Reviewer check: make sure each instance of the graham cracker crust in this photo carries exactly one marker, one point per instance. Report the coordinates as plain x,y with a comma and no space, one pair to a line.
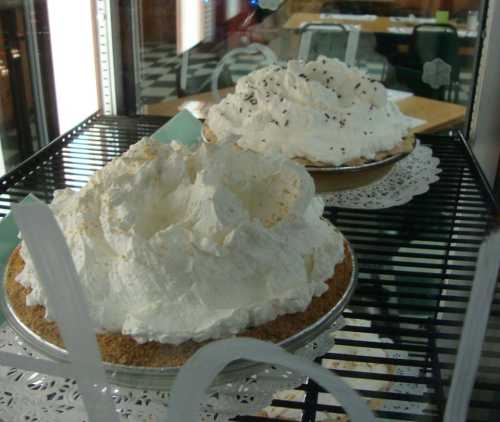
121,349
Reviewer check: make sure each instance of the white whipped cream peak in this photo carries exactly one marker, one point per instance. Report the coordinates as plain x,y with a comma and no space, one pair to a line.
172,244
322,110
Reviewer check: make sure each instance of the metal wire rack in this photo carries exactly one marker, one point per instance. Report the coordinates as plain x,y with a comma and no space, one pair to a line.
416,262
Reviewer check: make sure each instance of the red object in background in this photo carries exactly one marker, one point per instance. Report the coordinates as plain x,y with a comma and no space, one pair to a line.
238,26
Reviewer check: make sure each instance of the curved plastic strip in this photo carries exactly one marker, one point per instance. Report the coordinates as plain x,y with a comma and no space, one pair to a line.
268,54
201,369
476,321
56,271
56,369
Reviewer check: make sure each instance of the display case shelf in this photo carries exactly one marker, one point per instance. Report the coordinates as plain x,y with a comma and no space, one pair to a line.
416,267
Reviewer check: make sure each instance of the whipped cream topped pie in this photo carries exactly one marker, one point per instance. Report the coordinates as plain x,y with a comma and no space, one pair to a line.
318,113
176,247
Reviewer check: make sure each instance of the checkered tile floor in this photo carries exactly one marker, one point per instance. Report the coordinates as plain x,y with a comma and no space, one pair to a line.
161,66
158,73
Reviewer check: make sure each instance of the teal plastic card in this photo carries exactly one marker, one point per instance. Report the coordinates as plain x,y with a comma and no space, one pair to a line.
183,128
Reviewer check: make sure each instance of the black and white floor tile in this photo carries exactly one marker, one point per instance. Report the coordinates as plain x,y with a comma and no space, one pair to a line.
160,67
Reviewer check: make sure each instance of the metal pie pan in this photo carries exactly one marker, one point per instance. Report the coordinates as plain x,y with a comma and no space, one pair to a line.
204,138
369,165
163,377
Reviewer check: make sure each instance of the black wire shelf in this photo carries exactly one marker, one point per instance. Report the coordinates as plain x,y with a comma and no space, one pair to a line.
416,267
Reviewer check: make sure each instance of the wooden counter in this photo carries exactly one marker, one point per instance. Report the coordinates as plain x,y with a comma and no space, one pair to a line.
439,115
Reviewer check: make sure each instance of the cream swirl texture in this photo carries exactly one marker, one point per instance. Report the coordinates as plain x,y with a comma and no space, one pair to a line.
172,245
322,111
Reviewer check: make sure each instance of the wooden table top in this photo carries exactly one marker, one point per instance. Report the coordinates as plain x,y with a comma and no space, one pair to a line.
381,24
437,114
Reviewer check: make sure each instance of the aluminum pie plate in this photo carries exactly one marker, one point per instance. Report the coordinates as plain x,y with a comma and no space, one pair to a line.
163,377
369,165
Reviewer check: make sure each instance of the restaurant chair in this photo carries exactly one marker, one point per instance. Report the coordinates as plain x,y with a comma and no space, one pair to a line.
327,39
428,42
431,41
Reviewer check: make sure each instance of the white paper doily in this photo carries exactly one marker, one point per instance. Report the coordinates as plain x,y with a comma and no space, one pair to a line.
34,397
408,178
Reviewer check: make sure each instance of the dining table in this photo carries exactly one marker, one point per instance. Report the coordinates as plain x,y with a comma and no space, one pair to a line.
397,27
367,23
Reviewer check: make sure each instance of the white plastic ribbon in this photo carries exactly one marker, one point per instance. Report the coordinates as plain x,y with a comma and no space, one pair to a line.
48,367
474,330
201,369
352,44
56,271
